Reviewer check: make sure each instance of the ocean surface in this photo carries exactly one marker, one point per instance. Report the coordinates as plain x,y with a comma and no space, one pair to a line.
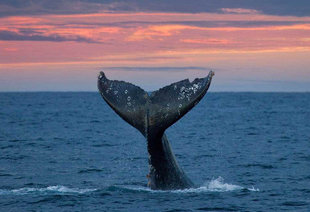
71,152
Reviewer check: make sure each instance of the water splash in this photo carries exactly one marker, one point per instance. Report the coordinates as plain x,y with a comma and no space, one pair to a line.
218,184
214,185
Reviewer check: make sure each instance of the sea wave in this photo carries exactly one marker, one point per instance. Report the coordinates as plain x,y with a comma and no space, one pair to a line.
214,185
58,189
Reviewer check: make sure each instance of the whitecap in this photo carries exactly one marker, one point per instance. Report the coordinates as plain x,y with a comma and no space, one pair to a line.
65,189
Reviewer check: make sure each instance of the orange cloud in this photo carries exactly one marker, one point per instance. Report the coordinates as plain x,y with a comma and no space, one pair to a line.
206,41
157,31
10,49
15,20
96,34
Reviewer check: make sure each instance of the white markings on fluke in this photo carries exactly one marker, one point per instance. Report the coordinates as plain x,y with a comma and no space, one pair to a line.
187,92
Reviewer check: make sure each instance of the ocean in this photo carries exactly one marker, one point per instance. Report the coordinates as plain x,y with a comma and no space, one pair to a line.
68,151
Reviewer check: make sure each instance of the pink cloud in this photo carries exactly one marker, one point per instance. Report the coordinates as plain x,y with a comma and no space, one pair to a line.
146,35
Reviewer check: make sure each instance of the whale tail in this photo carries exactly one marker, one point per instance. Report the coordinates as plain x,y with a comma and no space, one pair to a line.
152,114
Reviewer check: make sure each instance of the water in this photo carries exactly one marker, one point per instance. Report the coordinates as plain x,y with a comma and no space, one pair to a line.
71,152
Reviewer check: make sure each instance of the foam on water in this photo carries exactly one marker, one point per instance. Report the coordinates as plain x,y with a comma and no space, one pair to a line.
58,189
214,185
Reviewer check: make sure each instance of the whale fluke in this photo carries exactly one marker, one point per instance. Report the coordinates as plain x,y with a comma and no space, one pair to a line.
170,103
126,99
152,115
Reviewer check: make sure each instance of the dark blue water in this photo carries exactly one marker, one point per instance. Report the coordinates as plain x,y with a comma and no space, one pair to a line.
71,152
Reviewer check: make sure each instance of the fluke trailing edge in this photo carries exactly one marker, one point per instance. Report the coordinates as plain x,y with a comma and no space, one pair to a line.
152,115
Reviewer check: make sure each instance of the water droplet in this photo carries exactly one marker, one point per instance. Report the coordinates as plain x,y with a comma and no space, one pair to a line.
180,105
115,92
129,104
126,91
128,98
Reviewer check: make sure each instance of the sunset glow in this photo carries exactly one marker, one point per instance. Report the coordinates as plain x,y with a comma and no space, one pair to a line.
247,49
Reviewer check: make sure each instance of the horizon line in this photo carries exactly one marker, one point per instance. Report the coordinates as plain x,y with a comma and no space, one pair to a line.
155,90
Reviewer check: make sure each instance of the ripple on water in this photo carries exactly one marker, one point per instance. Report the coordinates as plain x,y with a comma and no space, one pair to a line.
263,166
90,170
294,203
5,175
218,209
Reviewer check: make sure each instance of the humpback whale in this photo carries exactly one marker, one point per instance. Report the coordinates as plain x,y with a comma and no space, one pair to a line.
152,114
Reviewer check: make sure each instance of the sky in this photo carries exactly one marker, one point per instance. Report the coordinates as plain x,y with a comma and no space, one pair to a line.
62,45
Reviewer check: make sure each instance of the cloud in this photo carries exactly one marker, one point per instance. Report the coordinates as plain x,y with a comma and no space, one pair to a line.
155,38
214,41
13,36
156,32
239,11
10,49
39,7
